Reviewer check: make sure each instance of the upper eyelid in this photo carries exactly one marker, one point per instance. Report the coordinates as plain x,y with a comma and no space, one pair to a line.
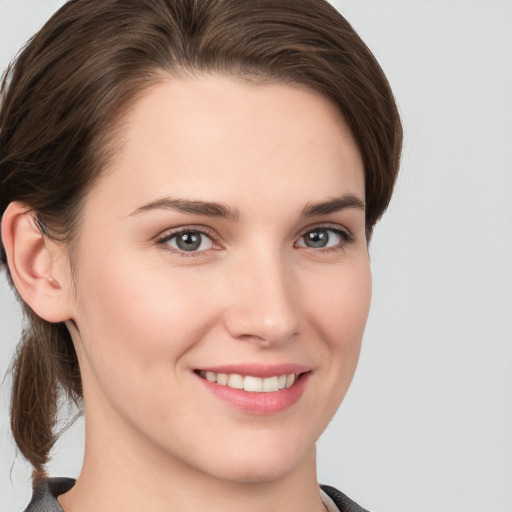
216,238
211,232
325,225
204,230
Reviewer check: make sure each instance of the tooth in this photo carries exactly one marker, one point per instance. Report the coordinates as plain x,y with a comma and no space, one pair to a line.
222,378
253,383
236,381
250,383
270,384
290,379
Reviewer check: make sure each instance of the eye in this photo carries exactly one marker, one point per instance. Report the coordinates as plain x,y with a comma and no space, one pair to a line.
322,238
188,241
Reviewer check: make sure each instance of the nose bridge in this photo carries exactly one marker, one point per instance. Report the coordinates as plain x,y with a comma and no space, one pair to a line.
263,306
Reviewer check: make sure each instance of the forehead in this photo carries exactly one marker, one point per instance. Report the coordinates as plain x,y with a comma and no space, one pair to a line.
218,138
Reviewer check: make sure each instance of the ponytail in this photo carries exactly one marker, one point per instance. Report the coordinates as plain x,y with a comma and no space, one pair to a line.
44,370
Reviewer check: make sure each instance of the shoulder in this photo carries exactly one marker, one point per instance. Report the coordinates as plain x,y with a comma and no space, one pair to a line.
46,491
343,502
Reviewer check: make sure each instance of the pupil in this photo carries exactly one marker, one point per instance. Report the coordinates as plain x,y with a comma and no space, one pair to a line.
189,241
317,238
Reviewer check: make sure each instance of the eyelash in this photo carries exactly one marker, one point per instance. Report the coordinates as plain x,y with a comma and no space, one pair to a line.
345,236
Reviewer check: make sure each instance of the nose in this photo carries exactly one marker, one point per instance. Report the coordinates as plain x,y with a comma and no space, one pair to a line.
262,306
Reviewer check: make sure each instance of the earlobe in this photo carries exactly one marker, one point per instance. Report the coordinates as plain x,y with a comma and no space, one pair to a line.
35,264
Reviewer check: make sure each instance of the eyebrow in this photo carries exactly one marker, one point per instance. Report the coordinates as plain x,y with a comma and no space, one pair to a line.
212,209
209,209
333,205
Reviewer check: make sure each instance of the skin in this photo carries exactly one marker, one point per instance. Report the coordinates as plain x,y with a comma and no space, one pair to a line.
144,315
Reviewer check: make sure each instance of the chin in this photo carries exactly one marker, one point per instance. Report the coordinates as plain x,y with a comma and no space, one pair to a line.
249,472
261,465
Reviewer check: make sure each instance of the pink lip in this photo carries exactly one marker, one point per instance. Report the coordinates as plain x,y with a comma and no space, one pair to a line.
259,403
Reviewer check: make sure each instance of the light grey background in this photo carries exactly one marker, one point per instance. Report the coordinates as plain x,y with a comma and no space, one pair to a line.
427,424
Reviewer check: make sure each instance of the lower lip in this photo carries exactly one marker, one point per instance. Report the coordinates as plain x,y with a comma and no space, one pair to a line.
259,403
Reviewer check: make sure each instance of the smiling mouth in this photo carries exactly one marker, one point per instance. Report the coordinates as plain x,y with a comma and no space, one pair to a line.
251,383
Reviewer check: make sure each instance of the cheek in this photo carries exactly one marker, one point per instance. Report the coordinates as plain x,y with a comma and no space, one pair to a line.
341,302
145,319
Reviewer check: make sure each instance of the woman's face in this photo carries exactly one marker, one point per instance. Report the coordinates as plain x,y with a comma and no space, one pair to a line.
227,241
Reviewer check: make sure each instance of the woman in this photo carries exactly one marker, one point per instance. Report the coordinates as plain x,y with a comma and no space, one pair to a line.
188,193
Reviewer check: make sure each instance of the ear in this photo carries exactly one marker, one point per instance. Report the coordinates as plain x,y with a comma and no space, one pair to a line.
37,264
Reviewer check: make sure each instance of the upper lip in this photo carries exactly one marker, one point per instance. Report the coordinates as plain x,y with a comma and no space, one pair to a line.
258,370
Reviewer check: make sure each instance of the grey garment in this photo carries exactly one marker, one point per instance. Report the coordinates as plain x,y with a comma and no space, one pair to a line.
343,502
46,491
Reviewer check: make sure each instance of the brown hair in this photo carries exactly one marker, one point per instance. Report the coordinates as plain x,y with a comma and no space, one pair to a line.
62,100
